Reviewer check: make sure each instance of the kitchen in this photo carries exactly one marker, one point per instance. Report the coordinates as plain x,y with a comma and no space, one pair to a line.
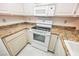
38,29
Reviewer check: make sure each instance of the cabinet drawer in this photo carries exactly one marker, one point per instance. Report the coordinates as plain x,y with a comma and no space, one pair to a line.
7,39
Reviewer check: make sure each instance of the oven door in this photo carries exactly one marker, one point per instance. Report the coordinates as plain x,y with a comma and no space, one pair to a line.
41,39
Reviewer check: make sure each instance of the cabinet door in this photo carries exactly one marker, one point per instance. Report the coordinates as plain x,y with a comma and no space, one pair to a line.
12,8
16,44
15,7
29,8
3,50
59,50
65,9
29,36
52,42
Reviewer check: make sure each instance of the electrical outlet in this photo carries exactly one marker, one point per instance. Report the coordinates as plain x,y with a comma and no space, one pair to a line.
4,20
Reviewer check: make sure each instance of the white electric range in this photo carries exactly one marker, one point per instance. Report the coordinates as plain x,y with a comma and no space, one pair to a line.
41,35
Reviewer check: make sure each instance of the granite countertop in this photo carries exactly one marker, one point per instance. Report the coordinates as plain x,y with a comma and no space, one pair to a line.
9,30
66,34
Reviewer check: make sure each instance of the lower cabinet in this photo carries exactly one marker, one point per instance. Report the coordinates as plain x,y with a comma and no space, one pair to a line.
52,42
16,42
3,51
29,35
59,50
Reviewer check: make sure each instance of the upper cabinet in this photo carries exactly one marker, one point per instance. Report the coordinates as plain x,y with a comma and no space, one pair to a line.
65,9
28,9
40,9
11,8
77,13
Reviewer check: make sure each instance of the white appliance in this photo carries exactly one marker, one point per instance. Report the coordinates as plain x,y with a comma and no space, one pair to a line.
41,35
44,10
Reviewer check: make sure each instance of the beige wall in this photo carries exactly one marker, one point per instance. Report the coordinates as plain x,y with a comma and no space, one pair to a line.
10,18
71,21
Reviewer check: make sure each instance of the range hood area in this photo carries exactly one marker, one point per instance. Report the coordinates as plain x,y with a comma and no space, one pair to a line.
38,29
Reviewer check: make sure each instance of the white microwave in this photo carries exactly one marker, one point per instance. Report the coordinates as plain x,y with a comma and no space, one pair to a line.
44,10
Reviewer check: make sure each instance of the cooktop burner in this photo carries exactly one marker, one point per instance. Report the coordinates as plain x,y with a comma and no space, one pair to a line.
41,28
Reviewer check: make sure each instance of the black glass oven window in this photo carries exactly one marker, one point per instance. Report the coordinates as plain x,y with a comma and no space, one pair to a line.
39,37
